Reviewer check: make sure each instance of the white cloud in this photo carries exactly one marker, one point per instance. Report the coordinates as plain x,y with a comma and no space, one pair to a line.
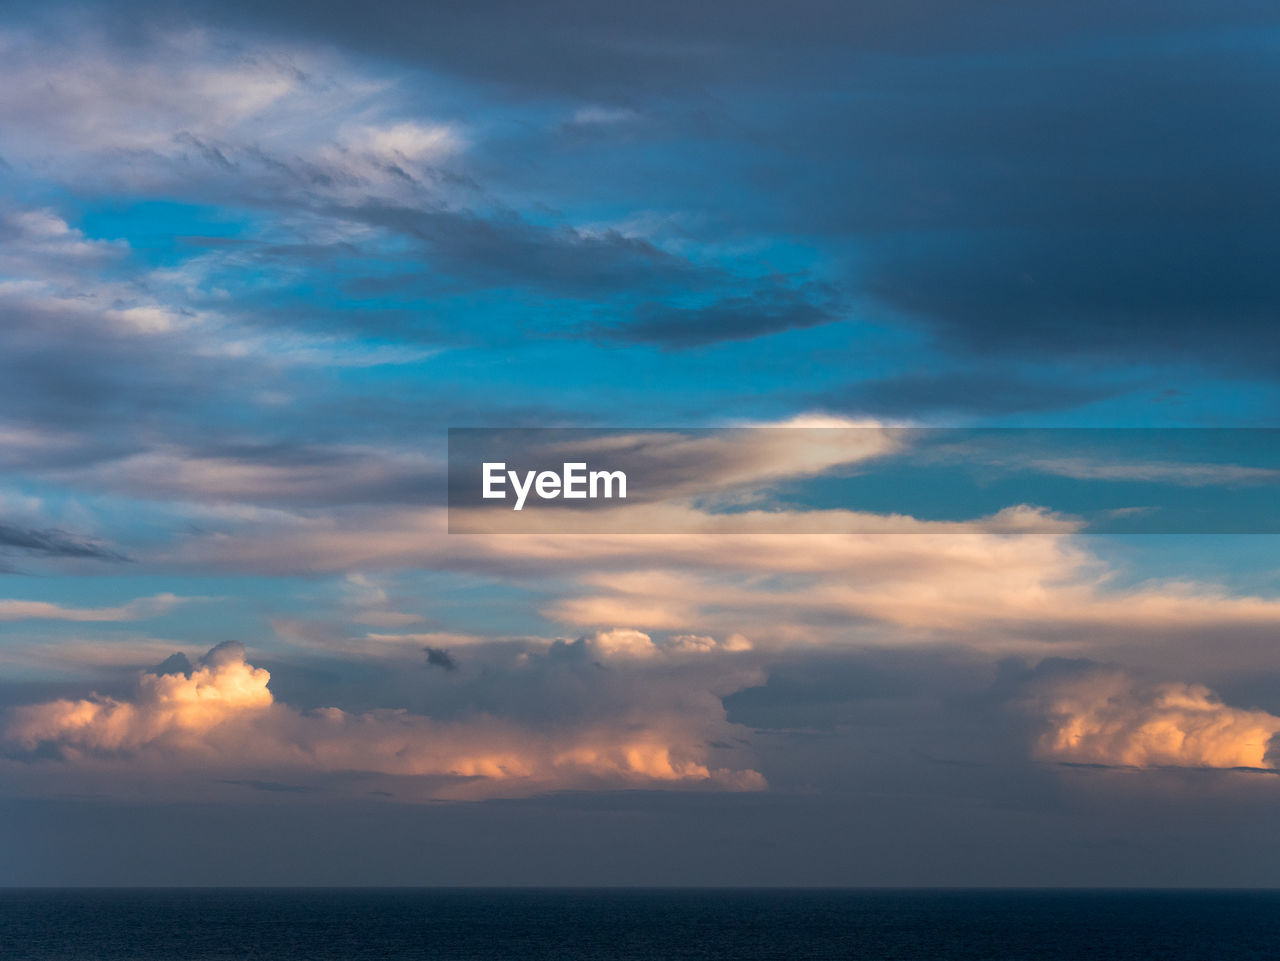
202,105
622,643
407,141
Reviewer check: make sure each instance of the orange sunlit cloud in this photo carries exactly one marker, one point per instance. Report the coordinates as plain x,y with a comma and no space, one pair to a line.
223,715
1106,717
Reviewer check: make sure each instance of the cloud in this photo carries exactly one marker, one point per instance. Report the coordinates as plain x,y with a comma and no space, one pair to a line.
406,141
269,474
172,709
439,657
98,368
428,638
795,580
40,236
53,543
1106,716
87,656
226,113
1166,472
704,644
623,645
668,469
620,644
1043,185
1019,209
222,716
769,311
509,249
135,610
574,49
341,169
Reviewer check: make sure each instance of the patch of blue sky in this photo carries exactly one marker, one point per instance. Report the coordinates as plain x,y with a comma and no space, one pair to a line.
126,582
948,493
599,384
1239,564
1163,480
164,233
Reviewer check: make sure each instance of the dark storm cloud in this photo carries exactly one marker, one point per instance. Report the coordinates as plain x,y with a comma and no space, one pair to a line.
1115,204
583,48
1187,296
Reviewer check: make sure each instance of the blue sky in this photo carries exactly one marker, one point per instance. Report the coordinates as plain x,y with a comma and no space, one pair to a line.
256,259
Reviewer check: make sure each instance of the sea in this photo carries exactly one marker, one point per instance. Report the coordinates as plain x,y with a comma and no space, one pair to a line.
327,924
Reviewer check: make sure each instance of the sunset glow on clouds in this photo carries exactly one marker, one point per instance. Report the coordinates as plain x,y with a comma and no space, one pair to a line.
1108,718
221,714
256,261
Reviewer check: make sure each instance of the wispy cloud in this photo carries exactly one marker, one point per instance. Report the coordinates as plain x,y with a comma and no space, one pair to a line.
136,610
52,542
1164,472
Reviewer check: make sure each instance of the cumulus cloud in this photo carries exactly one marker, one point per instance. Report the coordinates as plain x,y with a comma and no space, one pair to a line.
703,644
1109,717
621,643
628,644
221,714
172,709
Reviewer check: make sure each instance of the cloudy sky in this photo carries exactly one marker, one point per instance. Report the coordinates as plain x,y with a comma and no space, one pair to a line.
257,258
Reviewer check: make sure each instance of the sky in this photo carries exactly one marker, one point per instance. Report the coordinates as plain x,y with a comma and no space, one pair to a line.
257,259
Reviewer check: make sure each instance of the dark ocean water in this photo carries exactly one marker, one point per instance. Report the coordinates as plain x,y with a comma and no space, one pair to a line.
389,925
